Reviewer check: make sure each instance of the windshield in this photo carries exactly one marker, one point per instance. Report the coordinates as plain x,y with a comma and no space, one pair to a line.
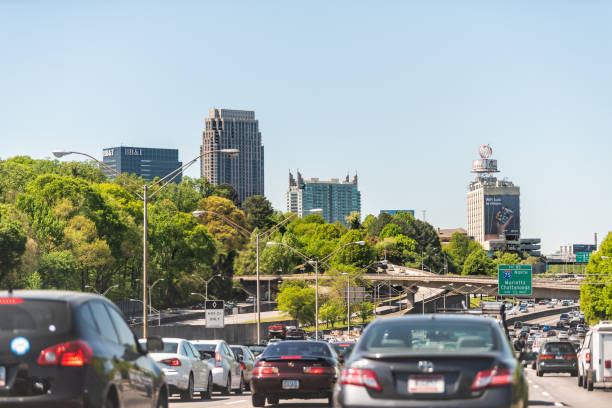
297,348
558,348
430,336
34,316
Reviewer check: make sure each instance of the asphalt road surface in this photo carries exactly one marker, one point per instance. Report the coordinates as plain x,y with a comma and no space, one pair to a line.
243,401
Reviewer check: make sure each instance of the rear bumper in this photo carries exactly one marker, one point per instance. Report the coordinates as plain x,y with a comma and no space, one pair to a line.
310,387
218,376
552,366
358,397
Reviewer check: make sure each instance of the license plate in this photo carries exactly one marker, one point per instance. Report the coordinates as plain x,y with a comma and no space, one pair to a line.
2,376
558,357
431,384
291,384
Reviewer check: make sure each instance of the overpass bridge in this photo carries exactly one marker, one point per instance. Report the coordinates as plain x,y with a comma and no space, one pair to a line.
486,285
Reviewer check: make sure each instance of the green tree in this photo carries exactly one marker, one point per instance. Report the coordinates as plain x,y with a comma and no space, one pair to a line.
365,310
355,255
230,235
259,212
12,245
506,258
228,191
57,270
460,247
596,291
353,220
332,311
298,302
390,231
478,263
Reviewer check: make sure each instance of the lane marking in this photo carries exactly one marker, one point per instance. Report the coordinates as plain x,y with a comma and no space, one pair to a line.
544,393
559,404
235,402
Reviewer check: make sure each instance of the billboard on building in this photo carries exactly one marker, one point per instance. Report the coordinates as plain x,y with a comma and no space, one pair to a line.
502,216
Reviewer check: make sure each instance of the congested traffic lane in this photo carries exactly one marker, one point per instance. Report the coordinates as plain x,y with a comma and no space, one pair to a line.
243,401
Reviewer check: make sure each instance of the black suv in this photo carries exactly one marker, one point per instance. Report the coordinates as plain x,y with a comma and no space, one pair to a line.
72,349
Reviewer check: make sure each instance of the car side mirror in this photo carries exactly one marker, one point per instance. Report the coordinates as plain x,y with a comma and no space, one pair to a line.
154,343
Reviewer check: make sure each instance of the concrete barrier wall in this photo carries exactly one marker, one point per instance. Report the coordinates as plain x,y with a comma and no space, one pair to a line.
537,315
231,333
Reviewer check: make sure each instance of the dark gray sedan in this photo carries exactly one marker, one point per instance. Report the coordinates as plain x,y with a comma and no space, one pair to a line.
557,357
434,361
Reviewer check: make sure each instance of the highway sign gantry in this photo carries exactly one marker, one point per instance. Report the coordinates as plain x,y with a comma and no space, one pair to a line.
514,280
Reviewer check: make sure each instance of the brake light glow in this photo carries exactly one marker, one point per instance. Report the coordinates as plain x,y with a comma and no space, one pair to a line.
587,357
291,357
70,354
318,370
360,377
242,365
172,362
546,357
265,370
10,301
608,364
218,362
492,378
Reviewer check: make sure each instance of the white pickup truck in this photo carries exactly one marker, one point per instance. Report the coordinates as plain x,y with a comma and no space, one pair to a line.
595,356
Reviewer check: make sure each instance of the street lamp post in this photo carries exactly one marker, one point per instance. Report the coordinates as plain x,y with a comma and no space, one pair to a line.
316,265
208,281
161,183
348,304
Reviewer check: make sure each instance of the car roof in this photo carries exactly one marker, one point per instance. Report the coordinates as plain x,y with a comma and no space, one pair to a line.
449,317
207,341
62,295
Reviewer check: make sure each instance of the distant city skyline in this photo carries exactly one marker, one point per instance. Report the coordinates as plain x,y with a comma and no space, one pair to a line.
401,93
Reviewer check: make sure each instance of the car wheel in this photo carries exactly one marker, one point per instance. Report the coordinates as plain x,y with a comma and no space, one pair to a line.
273,401
209,389
580,381
539,373
162,400
228,387
240,386
258,400
574,373
187,395
584,381
330,400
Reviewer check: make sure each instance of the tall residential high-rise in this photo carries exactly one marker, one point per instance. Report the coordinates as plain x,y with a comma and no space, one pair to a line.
233,129
336,199
148,163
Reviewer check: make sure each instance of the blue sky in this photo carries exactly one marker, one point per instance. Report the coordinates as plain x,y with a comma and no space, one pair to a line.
401,92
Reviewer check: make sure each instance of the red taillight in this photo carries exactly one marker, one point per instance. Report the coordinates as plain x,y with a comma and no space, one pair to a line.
569,356
607,363
10,301
360,377
265,371
318,370
172,362
291,357
218,362
492,378
242,365
587,357
546,357
72,353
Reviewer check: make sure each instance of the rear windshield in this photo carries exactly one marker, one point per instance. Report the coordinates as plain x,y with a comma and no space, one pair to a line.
559,348
297,348
206,347
430,336
564,315
343,348
237,350
170,347
33,316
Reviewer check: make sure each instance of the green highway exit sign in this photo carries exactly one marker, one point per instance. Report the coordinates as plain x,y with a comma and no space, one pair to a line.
514,280
583,257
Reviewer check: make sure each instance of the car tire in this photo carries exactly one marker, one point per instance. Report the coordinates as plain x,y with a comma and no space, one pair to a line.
240,386
109,402
330,401
574,373
209,389
539,373
258,400
162,400
274,401
187,395
584,381
228,386
580,381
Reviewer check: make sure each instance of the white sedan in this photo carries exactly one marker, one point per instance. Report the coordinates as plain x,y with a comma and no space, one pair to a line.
186,372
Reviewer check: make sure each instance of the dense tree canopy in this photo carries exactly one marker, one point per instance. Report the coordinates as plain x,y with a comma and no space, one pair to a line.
596,292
